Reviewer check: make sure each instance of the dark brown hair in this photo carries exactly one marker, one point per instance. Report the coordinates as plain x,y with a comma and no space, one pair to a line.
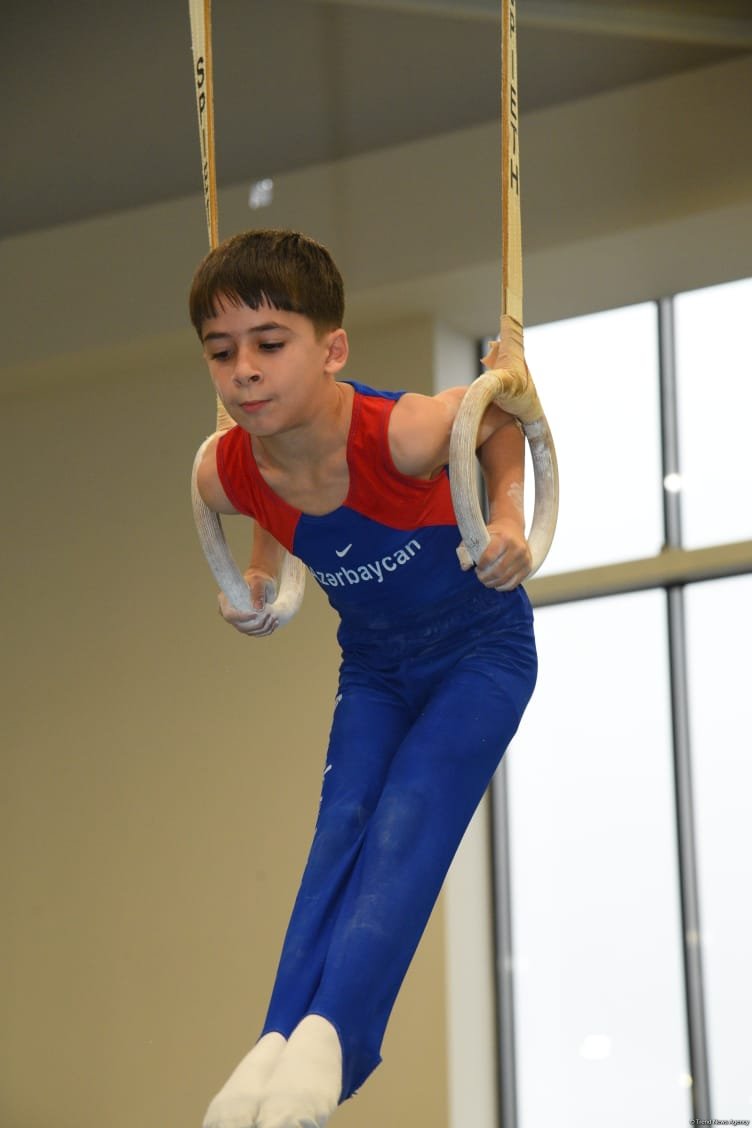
283,269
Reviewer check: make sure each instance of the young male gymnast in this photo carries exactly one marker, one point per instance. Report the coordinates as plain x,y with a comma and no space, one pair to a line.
438,664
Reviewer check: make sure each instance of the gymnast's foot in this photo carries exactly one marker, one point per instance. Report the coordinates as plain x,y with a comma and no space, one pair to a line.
306,1085
237,1103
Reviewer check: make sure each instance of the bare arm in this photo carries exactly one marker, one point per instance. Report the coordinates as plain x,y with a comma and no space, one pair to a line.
419,435
261,575
506,560
266,554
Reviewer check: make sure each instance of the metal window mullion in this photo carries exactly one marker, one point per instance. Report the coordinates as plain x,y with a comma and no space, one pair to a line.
672,523
682,752
686,842
501,870
504,949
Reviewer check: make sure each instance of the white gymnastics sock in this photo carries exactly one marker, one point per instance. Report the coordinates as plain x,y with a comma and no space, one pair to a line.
306,1085
237,1103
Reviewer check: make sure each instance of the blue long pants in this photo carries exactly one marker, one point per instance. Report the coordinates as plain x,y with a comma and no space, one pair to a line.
421,721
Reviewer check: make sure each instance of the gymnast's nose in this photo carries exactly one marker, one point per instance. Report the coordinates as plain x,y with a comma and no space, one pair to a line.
247,370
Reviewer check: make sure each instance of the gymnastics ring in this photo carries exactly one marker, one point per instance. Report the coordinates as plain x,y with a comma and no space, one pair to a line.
509,385
498,387
225,570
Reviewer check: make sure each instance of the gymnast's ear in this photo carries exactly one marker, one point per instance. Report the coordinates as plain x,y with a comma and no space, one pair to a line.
338,349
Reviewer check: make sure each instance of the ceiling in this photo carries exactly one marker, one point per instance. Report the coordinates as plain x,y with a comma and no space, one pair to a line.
100,112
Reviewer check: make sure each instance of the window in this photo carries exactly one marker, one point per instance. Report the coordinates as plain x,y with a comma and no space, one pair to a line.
595,895
597,377
623,840
714,376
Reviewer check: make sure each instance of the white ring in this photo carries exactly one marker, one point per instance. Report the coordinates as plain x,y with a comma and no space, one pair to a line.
487,389
225,570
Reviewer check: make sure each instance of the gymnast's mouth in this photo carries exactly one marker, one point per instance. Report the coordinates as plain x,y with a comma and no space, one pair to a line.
250,406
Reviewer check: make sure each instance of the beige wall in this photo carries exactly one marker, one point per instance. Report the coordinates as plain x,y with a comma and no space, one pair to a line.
160,774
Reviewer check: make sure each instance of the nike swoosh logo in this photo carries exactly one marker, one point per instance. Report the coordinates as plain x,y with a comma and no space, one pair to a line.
342,551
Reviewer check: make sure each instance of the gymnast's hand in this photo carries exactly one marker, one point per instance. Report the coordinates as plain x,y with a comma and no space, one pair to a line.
506,560
261,621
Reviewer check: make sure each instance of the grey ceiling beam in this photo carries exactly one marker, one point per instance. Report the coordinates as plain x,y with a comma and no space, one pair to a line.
631,21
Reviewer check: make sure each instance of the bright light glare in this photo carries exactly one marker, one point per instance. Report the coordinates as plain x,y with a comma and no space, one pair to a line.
261,194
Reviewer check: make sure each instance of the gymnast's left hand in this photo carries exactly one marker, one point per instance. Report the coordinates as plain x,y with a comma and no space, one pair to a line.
506,560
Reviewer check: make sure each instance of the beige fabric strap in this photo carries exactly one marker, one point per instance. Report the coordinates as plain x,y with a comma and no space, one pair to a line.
203,77
511,219
208,523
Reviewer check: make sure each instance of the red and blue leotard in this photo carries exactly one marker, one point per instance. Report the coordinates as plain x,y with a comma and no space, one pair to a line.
436,672
394,537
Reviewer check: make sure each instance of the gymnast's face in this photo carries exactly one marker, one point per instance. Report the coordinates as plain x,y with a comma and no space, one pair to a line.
270,368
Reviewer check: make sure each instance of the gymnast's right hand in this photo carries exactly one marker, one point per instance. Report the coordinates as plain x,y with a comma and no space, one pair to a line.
261,621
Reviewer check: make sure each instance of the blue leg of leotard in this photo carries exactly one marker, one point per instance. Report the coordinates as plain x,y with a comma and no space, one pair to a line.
368,727
422,730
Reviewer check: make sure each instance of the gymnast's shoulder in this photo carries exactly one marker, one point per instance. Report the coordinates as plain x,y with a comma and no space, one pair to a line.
420,429
208,481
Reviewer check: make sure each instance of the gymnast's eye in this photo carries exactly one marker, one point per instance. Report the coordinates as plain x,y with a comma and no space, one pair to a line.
221,354
271,346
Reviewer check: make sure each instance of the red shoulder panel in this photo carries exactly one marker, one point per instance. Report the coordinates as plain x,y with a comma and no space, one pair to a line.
247,490
377,488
